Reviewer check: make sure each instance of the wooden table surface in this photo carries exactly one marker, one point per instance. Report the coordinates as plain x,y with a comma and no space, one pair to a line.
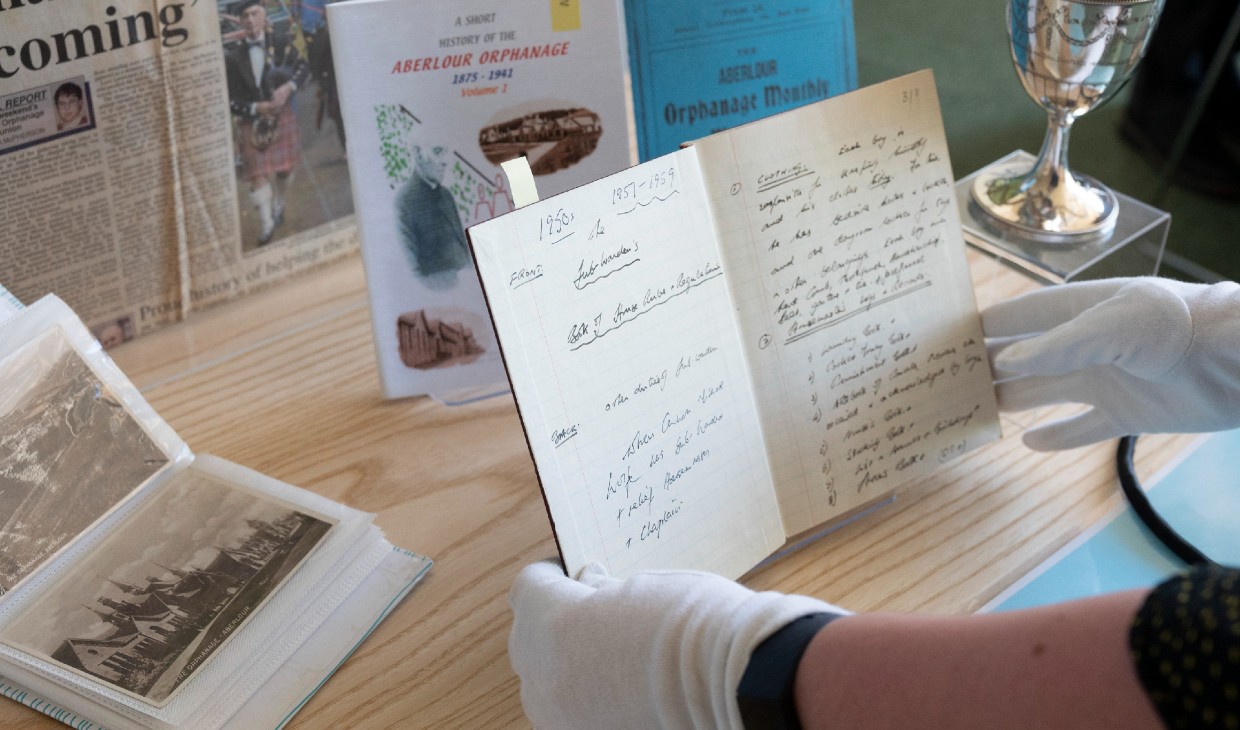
284,382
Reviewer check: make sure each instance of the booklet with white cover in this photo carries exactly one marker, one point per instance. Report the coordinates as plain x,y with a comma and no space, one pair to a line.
436,94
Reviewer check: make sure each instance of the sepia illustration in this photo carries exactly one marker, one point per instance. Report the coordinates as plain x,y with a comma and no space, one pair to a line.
426,342
162,595
69,453
552,139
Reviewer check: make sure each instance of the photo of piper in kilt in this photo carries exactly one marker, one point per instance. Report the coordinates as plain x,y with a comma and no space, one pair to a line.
265,70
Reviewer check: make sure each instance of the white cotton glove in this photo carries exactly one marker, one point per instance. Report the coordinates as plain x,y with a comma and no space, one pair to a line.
1150,355
659,650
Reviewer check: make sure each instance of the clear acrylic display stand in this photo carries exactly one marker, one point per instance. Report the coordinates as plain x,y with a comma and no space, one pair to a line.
1134,248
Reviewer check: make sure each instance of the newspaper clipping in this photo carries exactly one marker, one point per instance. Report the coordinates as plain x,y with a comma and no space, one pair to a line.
160,156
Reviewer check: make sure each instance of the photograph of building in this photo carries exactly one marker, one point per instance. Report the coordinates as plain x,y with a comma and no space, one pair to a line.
69,453
426,342
553,139
159,598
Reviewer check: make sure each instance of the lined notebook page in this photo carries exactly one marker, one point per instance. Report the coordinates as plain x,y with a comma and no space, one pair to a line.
839,229
621,344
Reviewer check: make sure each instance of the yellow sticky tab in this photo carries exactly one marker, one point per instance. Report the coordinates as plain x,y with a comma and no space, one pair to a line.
565,15
520,181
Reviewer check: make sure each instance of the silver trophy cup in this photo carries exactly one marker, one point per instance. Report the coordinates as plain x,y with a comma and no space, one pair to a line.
1070,55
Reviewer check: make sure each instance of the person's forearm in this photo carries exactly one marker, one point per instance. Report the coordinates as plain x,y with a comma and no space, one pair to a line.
1059,666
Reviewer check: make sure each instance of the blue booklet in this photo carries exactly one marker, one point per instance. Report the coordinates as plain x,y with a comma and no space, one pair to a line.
1198,497
700,68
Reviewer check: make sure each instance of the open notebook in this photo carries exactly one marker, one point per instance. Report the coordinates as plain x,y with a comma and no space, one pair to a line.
741,341
142,586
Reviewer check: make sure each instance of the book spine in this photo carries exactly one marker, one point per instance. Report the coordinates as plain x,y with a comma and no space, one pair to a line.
54,711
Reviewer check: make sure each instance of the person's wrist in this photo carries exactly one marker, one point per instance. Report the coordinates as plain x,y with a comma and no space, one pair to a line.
766,695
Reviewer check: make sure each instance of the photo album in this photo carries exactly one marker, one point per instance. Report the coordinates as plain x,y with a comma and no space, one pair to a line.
142,586
734,346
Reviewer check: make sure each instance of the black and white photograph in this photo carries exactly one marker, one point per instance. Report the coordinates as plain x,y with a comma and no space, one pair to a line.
69,454
161,595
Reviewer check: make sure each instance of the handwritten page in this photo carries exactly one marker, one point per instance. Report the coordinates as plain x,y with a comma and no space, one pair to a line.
841,242
738,342
620,339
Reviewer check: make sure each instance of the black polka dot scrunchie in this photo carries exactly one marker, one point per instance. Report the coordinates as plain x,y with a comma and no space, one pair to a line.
1185,643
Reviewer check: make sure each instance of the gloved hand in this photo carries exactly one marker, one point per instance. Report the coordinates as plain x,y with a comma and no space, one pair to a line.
659,650
1150,355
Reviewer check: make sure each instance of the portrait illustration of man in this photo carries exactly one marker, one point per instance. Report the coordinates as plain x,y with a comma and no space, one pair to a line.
429,224
264,71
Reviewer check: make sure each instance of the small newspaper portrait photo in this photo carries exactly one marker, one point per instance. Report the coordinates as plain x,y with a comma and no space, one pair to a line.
43,113
114,332
72,111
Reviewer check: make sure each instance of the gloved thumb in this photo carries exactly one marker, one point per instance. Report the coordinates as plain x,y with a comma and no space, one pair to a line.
544,584
1145,329
596,576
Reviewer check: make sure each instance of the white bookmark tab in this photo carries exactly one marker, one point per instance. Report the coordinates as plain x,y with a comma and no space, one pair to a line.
520,181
